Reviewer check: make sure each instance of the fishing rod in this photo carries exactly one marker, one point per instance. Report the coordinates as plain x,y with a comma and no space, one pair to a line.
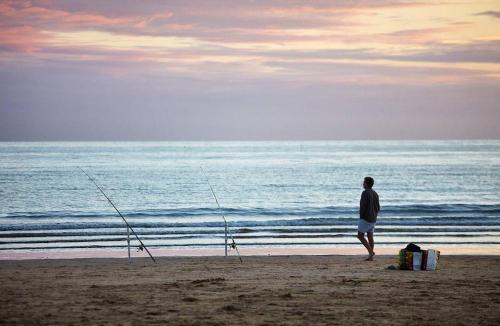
123,218
226,229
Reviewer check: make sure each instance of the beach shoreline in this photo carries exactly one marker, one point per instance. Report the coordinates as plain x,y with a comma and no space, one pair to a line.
244,251
289,290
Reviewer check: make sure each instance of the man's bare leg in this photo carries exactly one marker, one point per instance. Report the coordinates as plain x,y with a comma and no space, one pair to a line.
361,237
371,242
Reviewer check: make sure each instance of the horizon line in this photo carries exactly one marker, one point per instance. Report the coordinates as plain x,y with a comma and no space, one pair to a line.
244,140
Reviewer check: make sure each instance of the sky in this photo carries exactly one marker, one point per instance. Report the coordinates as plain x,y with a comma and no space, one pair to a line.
249,70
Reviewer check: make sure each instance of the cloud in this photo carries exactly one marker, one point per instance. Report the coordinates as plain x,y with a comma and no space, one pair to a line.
21,39
212,20
491,13
248,59
479,51
23,13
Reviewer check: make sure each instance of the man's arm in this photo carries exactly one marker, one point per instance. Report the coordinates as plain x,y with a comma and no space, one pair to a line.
363,204
377,203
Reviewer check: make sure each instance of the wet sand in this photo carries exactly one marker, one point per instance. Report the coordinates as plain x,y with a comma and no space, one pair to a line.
357,249
264,290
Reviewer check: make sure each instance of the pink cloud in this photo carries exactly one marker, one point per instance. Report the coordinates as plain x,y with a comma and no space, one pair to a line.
228,33
24,39
23,13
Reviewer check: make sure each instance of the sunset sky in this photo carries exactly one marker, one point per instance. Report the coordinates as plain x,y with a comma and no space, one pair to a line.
249,70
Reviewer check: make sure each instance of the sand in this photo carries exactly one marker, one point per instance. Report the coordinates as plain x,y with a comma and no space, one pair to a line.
264,290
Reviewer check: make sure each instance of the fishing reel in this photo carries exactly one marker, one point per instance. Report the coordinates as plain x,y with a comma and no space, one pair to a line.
233,245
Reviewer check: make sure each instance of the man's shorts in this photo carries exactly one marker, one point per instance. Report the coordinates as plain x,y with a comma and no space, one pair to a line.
365,227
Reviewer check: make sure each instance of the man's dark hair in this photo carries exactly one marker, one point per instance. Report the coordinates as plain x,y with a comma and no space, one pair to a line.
369,181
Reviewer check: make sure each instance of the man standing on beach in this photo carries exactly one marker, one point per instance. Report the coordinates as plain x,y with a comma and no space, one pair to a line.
368,210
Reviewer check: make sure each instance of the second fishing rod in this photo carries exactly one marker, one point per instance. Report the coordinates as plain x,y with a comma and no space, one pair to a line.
226,228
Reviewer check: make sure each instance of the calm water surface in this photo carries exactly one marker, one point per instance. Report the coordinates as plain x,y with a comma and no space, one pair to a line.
282,194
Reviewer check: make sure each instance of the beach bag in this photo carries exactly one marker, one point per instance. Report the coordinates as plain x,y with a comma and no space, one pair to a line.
403,258
418,260
432,259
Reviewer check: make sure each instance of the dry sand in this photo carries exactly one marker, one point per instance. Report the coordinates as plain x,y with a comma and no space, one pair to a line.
263,290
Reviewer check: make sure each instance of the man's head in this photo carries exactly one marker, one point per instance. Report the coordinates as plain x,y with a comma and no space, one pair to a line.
368,182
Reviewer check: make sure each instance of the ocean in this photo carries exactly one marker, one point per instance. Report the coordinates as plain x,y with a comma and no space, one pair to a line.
273,194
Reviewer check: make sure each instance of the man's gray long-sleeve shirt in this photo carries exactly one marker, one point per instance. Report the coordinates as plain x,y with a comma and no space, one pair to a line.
369,206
